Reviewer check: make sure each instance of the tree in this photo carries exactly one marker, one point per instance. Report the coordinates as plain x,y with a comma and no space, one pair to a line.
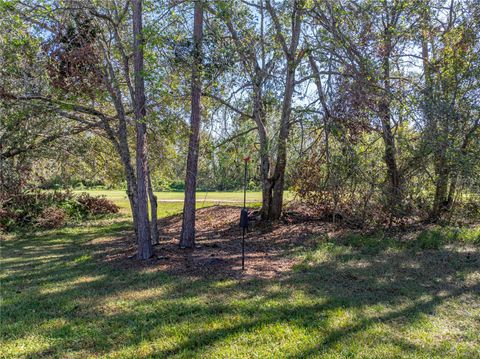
365,38
292,60
259,55
187,239
145,249
451,65
78,47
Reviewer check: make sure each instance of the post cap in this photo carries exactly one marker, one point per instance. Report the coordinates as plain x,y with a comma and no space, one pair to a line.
246,159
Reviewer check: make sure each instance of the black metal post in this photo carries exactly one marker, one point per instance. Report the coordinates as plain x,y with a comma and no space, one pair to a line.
243,249
245,184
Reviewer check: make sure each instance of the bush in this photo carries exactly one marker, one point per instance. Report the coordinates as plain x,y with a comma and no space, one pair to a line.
50,209
96,205
470,209
51,218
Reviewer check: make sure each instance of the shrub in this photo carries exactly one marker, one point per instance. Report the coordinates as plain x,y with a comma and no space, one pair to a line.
51,218
21,209
50,209
96,205
470,209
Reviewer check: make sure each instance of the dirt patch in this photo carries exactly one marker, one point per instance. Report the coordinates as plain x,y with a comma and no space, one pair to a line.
218,249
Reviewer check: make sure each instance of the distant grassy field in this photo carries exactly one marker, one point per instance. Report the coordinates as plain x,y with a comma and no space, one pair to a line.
172,202
201,196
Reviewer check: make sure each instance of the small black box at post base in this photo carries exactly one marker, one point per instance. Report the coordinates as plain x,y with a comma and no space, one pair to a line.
244,218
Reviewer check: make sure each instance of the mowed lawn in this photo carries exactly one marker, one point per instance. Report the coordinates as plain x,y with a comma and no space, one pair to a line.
170,203
355,297
254,196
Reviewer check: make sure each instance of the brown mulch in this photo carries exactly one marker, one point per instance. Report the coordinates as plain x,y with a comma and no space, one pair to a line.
218,250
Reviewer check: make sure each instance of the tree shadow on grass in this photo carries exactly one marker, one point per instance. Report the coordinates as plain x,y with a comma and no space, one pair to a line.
408,285
58,288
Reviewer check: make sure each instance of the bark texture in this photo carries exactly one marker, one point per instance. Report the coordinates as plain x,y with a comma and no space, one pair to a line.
187,236
154,234
390,154
292,58
145,249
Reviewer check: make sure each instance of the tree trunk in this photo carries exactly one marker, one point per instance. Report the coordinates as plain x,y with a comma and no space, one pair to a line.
281,160
292,59
393,175
120,139
145,249
395,195
187,238
132,198
154,235
259,118
441,186
125,157
451,193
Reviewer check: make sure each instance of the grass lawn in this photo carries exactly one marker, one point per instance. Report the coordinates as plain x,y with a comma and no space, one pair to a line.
360,296
172,202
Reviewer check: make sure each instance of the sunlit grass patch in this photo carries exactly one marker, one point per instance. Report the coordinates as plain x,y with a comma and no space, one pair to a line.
434,238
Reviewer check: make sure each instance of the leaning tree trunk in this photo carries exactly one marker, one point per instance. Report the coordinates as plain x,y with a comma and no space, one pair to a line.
187,237
120,140
123,151
145,249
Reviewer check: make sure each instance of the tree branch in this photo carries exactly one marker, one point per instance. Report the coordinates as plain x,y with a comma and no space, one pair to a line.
225,103
240,134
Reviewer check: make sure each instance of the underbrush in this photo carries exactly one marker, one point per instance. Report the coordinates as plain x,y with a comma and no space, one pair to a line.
49,210
348,189
369,212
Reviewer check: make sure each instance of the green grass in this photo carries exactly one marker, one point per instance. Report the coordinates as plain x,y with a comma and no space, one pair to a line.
357,296
430,238
201,196
172,202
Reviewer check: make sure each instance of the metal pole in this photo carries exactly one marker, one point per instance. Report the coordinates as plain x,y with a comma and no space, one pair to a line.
243,249
245,186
